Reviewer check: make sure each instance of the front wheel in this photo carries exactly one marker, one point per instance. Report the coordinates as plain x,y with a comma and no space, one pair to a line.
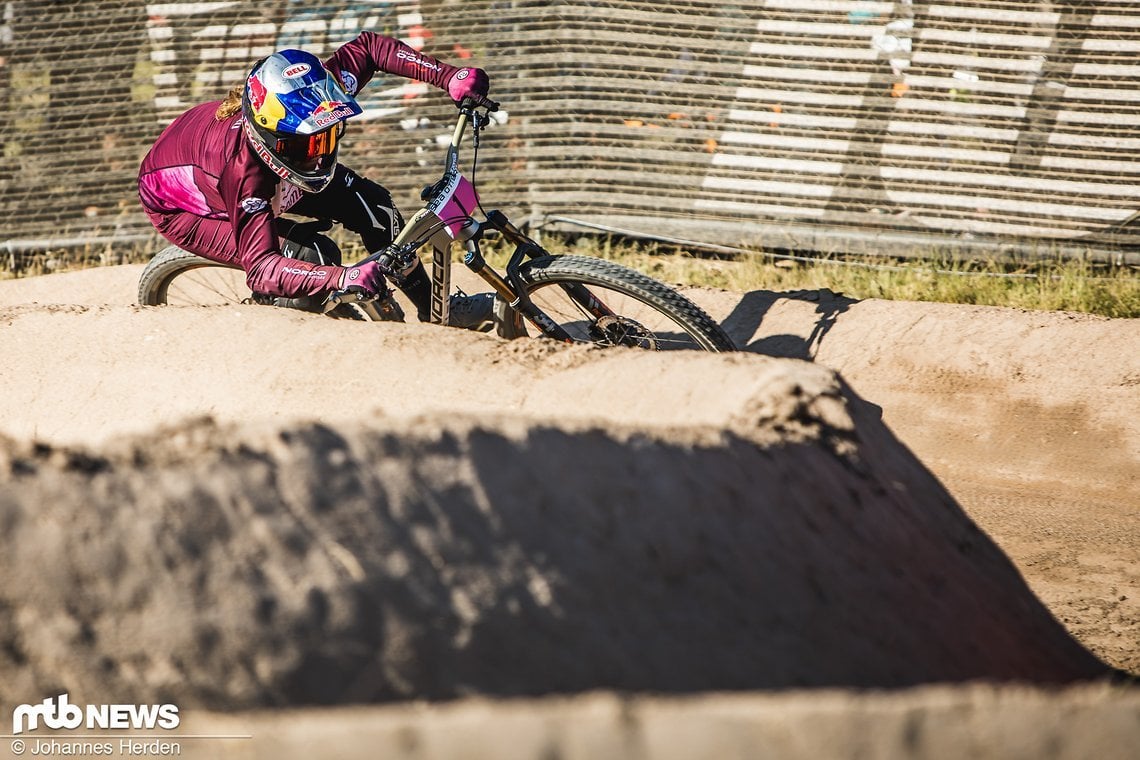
600,302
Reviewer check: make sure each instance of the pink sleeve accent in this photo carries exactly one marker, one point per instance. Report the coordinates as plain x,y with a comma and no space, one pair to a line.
174,189
362,57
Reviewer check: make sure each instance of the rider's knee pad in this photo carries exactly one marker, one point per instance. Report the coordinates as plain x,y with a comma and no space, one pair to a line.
315,249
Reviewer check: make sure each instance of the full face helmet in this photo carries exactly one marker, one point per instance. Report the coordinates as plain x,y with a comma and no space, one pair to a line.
294,112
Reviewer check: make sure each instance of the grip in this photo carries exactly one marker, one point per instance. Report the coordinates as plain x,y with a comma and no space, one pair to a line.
478,100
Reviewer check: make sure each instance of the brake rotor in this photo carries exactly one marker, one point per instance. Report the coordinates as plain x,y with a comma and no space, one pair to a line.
623,331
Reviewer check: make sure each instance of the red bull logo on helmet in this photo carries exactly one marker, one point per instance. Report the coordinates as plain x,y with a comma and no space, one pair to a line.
257,93
330,112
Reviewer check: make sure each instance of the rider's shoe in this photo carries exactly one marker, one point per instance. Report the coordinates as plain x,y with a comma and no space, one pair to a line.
473,312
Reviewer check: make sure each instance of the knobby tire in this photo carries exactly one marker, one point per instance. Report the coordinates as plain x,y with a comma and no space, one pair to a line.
569,269
161,270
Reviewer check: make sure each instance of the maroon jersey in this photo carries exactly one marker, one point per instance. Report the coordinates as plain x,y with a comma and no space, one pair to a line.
205,168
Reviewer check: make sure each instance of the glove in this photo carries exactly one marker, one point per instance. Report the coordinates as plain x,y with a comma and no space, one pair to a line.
364,278
468,83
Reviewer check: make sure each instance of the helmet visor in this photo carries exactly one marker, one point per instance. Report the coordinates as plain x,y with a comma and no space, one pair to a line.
306,151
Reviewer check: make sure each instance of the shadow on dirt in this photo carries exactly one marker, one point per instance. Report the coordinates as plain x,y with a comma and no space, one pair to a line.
746,318
228,568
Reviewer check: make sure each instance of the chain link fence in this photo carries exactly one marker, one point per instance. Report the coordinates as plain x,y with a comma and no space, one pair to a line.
985,126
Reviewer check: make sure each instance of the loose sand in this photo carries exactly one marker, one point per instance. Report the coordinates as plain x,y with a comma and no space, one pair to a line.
246,508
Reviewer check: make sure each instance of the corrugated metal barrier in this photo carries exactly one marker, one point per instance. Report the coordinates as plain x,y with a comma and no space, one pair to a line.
827,125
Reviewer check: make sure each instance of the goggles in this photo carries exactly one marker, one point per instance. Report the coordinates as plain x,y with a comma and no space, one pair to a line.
307,150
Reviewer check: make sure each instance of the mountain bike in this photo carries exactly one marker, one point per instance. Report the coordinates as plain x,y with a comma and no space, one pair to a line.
567,298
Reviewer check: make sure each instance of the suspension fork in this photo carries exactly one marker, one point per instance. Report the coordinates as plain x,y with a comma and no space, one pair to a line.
513,290
525,247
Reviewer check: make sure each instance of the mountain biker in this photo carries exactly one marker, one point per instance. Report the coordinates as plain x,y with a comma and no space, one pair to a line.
219,176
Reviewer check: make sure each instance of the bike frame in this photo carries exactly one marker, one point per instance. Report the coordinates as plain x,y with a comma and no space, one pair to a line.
448,218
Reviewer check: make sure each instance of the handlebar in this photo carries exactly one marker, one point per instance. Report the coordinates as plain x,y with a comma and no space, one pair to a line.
391,260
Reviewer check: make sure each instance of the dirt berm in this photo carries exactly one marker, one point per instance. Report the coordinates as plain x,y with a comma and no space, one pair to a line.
254,510
796,544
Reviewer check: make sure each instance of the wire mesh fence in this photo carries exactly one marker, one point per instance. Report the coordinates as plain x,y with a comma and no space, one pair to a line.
833,125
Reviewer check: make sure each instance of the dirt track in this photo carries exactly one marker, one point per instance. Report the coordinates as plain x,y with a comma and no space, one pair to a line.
1030,421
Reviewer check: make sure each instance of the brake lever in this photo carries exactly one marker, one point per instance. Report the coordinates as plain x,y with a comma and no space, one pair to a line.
337,297
380,306
393,261
470,102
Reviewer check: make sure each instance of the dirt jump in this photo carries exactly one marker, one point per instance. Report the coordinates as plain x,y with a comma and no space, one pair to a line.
882,529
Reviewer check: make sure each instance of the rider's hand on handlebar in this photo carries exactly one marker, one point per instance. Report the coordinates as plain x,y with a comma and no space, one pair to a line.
366,278
468,83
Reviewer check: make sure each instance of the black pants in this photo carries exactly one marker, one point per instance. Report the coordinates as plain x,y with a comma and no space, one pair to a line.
361,206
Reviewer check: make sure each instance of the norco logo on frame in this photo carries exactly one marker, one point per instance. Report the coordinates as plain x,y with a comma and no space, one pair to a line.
58,714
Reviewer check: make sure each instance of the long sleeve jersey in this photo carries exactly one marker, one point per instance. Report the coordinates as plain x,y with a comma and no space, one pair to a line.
204,166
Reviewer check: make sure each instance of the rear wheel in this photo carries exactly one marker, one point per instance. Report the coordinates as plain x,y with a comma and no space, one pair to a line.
181,278
604,303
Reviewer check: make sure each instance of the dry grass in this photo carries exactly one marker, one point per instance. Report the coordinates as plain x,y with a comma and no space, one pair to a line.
1055,285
